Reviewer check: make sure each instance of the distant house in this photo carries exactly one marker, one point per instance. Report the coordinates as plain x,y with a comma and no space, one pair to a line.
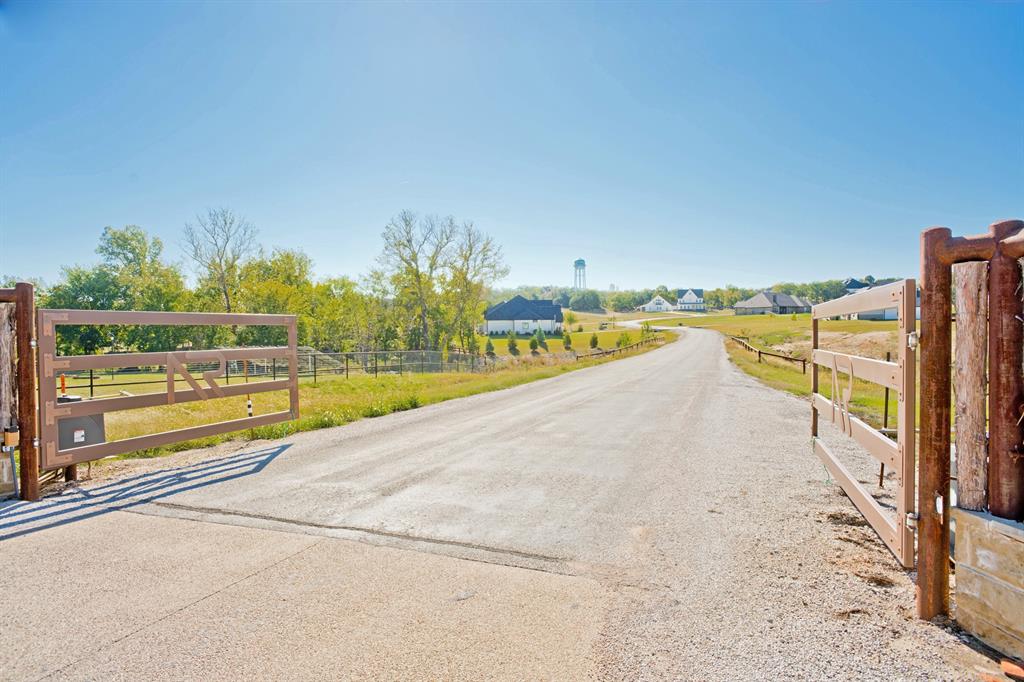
656,305
852,285
690,299
524,316
766,302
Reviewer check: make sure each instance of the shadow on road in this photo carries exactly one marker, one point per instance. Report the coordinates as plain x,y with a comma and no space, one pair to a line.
21,518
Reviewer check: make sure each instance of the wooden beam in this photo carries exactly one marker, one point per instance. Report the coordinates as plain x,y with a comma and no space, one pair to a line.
876,371
877,298
971,284
24,314
933,477
878,446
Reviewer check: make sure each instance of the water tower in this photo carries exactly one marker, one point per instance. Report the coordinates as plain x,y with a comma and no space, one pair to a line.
579,280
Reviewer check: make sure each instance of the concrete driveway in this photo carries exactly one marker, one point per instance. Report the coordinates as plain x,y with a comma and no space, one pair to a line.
657,517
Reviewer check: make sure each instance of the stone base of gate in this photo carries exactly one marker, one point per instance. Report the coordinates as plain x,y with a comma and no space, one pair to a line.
990,579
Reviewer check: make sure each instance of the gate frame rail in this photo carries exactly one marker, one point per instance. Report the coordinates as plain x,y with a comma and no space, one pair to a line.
898,533
50,365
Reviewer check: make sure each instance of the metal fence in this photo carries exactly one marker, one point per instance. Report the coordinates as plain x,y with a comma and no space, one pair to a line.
313,365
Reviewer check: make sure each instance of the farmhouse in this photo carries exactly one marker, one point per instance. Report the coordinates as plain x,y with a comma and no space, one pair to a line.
690,299
524,316
656,305
772,302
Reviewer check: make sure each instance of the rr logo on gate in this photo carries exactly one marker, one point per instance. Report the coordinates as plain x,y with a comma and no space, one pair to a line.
176,365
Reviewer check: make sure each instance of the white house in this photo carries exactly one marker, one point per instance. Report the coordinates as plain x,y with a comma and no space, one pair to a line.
690,299
656,305
524,316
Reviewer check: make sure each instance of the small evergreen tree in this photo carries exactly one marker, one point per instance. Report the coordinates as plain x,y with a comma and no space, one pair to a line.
623,340
579,327
567,341
533,344
513,347
489,348
593,340
542,340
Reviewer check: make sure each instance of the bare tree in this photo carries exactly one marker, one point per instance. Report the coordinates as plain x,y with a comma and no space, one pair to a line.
218,243
416,254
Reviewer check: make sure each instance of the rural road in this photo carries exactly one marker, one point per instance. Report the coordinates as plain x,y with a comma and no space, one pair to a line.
658,517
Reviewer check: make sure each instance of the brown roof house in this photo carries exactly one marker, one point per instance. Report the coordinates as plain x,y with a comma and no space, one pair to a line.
765,302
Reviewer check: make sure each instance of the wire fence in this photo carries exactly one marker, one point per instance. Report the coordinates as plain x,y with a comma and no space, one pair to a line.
313,365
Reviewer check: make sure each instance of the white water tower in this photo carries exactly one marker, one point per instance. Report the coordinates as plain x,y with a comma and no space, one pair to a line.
579,280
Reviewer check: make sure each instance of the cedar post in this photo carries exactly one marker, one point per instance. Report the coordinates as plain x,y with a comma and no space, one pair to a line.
814,377
933,484
1006,354
25,338
971,282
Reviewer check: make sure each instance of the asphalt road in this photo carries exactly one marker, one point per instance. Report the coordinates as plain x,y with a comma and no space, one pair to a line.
670,516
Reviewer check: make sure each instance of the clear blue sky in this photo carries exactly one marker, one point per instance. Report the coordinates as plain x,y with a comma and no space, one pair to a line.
678,144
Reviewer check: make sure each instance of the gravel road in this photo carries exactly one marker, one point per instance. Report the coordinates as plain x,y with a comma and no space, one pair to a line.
685,489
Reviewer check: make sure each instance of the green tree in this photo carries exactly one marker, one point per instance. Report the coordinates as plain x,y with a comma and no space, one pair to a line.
489,348
593,340
542,340
567,340
513,347
570,318
587,300
534,344
623,340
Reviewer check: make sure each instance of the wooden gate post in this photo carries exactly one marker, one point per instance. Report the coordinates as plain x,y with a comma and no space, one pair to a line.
933,483
969,385
24,321
1006,393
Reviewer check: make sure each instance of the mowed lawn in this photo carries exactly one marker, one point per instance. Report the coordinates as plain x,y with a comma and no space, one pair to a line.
334,400
611,319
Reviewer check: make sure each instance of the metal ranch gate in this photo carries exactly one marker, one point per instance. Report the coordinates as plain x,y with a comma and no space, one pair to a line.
898,455
56,452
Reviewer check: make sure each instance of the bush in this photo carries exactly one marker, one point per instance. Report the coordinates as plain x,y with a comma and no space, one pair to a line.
593,340
579,327
534,343
567,341
542,340
513,347
623,340
489,348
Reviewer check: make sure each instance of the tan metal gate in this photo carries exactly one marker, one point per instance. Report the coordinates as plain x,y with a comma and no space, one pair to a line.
898,455
51,366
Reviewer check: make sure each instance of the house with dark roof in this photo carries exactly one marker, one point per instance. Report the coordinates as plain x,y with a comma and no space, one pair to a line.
524,316
853,285
765,302
690,299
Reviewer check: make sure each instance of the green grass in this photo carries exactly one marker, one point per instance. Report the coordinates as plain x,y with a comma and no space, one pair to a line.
334,401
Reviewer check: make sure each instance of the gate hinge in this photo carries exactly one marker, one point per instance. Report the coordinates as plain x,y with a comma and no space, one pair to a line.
913,340
912,518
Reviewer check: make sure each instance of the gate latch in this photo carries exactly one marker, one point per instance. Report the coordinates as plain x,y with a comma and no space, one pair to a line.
912,340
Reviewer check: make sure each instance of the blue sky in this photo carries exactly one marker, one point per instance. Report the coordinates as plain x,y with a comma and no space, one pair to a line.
679,144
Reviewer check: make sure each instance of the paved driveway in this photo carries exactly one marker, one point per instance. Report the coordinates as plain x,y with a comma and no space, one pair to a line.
657,517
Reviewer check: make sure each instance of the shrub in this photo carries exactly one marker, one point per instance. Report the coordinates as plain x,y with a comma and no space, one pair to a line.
513,347
542,340
593,340
489,348
623,340
533,343
567,341
579,327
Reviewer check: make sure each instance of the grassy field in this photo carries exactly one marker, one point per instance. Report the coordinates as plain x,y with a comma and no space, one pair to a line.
593,321
580,341
334,400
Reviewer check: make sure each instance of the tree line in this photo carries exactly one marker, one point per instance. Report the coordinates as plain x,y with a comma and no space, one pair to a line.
427,291
721,297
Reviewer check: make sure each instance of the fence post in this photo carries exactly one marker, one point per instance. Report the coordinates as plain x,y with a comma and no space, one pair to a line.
273,365
227,372
1005,349
400,356
759,356
375,363
24,312
933,484
314,369
91,382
